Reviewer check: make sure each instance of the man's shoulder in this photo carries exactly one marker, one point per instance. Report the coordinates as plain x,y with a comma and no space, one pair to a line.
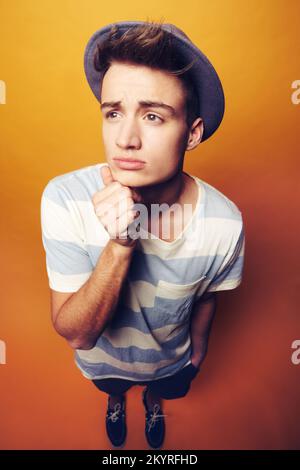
222,217
218,205
79,184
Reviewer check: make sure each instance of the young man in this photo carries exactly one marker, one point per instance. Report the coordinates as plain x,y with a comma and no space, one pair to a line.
135,303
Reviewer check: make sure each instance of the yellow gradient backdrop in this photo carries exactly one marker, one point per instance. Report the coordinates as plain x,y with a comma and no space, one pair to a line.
247,394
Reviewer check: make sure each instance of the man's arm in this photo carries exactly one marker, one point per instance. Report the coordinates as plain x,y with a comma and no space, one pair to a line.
82,316
201,321
85,314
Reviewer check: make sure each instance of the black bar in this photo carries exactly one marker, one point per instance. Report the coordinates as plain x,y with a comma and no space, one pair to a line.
136,458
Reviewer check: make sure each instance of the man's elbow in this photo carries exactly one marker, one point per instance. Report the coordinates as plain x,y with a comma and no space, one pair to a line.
81,344
76,342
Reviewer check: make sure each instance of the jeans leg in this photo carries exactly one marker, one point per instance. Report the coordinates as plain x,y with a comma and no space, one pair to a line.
175,386
113,386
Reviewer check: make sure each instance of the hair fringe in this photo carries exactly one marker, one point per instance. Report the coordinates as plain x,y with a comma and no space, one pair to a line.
150,45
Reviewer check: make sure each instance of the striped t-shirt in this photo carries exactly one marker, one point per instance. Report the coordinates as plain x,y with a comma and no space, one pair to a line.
149,335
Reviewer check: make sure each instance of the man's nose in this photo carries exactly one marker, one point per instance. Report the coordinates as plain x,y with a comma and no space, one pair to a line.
128,135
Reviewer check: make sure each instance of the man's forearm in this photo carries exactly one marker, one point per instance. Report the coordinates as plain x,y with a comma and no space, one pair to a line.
201,322
85,314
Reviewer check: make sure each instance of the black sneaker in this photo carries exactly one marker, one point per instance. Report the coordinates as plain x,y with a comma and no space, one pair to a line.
116,423
154,424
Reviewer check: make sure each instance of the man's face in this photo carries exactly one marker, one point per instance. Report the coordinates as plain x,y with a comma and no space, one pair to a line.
137,127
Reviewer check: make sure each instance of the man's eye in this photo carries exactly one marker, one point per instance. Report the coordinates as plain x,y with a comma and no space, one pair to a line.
110,113
157,117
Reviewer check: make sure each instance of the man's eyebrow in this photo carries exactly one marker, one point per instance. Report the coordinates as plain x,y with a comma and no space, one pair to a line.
142,104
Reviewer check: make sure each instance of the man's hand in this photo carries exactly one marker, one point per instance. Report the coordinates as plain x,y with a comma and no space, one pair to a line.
199,354
114,207
200,326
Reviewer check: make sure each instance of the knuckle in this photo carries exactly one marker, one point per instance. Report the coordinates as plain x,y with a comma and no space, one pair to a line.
131,215
126,192
117,184
129,202
98,209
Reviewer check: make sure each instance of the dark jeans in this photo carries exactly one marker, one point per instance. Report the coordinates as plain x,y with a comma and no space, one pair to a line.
174,386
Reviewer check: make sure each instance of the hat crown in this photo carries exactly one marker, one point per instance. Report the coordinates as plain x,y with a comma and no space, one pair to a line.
207,83
169,27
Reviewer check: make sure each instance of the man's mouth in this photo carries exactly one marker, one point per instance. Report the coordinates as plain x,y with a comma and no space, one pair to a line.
129,163
128,159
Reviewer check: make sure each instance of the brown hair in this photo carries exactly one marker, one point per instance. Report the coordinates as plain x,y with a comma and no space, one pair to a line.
148,44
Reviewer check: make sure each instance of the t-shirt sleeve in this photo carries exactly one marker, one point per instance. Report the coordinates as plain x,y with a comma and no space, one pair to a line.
68,263
230,274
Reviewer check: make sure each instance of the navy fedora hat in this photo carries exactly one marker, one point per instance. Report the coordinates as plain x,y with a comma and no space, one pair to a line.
205,78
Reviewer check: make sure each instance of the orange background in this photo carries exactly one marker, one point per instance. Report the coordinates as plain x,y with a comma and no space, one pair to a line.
247,395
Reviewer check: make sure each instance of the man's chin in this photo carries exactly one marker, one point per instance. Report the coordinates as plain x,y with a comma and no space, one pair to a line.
129,178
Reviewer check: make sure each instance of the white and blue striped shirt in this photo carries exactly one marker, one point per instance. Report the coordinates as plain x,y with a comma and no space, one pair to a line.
148,337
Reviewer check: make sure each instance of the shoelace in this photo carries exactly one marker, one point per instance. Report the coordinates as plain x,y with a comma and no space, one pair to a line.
115,415
154,416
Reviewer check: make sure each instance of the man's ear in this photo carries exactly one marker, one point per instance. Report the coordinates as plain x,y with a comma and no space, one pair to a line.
195,134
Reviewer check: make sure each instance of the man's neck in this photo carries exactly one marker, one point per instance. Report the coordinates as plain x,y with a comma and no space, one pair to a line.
178,190
167,192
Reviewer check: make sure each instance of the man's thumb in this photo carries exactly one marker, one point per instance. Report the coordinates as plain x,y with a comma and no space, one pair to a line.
106,175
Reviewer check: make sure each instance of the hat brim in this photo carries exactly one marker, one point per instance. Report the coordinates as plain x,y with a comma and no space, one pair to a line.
207,83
